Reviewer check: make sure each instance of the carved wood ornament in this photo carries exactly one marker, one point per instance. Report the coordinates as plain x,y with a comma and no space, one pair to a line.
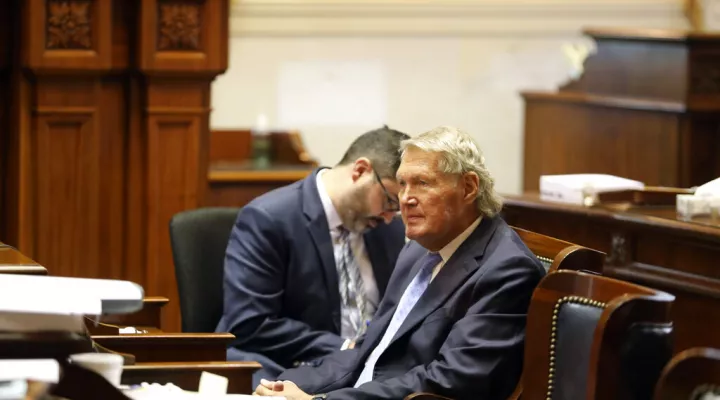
179,26
68,24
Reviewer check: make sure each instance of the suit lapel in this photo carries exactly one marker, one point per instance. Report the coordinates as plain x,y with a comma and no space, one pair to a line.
456,270
320,233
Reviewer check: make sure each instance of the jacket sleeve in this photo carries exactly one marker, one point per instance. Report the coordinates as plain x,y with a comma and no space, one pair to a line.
481,357
255,269
335,370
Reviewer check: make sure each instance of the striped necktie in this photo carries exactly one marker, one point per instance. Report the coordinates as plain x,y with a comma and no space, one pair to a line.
352,288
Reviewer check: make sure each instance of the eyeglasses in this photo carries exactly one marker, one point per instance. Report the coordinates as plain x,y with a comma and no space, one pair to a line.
391,204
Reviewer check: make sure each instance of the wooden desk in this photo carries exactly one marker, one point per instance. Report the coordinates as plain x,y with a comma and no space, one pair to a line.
234,184
150,316
14,262
187,375
650,247
165,347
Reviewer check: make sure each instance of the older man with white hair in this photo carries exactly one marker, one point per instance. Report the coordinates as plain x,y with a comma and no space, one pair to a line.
452,321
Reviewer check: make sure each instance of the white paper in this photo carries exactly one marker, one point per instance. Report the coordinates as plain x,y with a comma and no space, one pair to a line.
711,188
574,188
62,296
212,385
332,93
41,370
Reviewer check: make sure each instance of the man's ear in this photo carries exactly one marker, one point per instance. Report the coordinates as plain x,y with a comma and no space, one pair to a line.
471,186
361,166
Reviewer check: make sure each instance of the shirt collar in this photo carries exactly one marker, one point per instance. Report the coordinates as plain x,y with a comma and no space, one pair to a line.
333,218
449,249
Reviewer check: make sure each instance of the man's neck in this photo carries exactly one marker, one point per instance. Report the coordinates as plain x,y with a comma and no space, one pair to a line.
468,219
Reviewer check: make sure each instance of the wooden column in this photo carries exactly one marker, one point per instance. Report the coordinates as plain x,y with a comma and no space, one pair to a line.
108,119
182,48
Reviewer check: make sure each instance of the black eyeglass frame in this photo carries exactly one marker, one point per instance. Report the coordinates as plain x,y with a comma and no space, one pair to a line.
391,204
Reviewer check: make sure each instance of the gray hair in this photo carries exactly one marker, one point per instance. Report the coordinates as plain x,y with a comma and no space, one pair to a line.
459,155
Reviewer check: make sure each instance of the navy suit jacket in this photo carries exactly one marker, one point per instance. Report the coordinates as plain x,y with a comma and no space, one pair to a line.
463,339
281,297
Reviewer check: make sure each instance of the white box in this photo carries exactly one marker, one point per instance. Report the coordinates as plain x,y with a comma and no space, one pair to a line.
581,189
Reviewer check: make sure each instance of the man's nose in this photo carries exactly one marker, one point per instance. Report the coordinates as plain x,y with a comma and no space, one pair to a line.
406,200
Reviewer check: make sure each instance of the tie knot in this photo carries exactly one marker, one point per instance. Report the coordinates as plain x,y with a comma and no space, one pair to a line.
431,260
344,233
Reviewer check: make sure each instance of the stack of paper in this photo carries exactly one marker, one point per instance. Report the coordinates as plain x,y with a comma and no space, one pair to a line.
705,201
582,189
43,303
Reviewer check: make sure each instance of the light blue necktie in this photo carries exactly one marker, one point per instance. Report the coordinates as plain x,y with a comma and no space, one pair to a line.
407,302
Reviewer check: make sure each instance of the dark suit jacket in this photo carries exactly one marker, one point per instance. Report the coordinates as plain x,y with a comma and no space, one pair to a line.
281,295
464,337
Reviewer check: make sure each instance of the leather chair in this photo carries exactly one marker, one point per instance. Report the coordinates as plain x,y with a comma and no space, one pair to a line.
592,337
199,238
557,254
693,374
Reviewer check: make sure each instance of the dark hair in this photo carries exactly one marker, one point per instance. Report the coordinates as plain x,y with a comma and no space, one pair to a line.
381,147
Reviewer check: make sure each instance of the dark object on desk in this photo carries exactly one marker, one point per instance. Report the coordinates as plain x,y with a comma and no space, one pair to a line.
690,375
169,346
149,316
647,99
78,383
648,246
199,239
32,345
186,375
650,196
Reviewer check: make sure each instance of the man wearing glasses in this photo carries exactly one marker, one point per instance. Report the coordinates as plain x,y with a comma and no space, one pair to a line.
307,264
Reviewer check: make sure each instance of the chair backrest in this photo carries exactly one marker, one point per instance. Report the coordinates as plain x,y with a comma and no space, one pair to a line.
557,254
593,337
693,374
199,238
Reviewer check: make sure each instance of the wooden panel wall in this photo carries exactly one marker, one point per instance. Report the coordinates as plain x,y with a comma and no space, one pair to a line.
108,117
569,133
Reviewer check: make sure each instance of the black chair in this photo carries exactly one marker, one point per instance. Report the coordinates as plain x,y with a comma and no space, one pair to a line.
199,238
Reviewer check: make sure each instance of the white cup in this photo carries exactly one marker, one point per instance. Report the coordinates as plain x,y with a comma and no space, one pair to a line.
109,366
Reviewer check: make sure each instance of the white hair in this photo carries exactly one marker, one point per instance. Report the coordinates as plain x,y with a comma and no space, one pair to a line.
459,155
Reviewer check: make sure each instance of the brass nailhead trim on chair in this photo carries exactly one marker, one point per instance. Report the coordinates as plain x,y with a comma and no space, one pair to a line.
553,332
545,259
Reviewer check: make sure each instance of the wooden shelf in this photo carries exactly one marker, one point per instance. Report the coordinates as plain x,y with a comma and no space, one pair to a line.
289,175
625,103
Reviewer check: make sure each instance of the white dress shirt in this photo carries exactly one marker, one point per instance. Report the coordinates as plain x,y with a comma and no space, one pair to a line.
357,244
445,253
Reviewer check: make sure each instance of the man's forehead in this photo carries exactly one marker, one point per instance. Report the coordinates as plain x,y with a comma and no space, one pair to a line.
417,165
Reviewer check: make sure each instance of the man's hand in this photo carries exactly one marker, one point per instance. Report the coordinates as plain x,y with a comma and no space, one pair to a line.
286,389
